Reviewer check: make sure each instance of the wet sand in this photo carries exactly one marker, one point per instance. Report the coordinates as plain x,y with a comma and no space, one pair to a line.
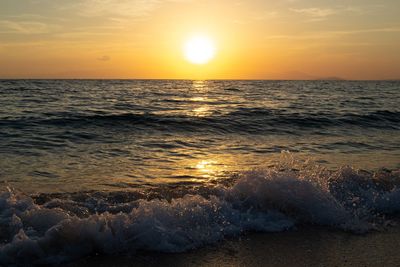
303,247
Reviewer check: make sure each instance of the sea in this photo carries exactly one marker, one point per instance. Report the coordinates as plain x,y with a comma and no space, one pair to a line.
120,166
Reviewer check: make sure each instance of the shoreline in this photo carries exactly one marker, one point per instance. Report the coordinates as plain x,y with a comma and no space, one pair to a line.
306,246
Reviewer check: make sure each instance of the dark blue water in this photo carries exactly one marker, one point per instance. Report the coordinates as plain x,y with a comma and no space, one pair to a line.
123,165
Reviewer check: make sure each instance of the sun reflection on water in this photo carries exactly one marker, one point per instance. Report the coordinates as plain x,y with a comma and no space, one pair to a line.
198,99
202,111
200,108
199,84
208,168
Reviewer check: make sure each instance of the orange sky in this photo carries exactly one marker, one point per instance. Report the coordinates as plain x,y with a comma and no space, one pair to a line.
289,39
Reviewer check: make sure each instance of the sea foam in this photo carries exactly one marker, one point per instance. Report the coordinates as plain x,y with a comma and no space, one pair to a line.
50,229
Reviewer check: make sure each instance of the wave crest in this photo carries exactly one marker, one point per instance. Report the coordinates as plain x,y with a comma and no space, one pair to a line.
41,229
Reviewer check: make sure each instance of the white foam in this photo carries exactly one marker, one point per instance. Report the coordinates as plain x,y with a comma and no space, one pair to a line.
264,200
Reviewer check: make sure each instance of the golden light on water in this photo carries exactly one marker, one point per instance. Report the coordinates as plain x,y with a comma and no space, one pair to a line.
198,99
207,167
201,107
202,111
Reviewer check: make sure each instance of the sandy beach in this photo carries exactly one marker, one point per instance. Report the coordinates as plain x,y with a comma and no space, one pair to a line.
305,247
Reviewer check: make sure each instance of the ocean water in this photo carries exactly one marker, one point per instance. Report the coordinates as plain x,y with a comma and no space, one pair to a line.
116,166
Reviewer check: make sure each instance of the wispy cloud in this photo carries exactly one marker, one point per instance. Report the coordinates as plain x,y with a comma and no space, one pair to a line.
117,8
25,16
111,7
315,12
104,58
23,27
332,34
362,10
392,29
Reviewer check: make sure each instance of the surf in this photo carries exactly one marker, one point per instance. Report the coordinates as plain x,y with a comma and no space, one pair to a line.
56,228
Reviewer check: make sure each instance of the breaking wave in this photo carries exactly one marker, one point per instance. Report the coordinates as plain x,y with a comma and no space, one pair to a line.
56,228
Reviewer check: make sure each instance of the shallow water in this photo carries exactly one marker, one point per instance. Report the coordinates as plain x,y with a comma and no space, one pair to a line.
56,228
114,167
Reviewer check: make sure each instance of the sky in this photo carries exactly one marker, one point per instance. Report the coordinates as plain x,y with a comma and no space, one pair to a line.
138,39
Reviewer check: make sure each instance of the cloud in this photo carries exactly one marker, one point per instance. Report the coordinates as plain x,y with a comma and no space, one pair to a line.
25,16
23,27
332,34
315,12
104,58
394,29
365,9
92,8
118,8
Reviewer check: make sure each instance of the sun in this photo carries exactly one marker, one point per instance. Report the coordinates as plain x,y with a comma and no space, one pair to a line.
199,49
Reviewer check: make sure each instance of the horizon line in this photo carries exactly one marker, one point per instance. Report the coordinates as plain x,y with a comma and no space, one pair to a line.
187,79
